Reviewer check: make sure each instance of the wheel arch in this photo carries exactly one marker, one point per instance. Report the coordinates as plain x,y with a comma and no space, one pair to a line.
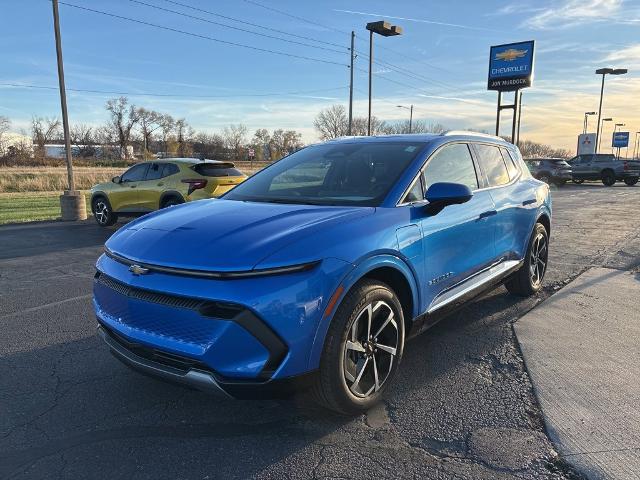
386,268
168,195
545,220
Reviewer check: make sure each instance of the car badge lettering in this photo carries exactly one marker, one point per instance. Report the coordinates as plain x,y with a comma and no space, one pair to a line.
138,270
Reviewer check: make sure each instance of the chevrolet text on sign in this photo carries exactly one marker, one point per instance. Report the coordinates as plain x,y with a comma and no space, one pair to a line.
511,66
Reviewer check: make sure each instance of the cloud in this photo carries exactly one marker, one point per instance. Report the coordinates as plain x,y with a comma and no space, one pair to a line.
571,13
419,20
629,55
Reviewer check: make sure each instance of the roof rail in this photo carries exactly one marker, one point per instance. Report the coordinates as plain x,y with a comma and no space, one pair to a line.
468,132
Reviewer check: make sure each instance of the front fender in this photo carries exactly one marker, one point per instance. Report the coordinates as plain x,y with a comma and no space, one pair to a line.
349,280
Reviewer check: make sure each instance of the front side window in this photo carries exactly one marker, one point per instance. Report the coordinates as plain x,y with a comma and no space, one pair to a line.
452,163
154,172
135,173
493,164
359,173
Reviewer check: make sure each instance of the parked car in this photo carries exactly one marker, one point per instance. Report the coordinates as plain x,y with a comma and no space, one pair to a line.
149,186
315,271
550,170
604,167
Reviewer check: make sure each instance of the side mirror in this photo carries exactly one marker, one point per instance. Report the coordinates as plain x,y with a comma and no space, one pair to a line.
442,194
116,179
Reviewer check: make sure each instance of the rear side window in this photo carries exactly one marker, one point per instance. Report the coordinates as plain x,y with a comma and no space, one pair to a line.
511,166
217,170
452,163
493,164
169,169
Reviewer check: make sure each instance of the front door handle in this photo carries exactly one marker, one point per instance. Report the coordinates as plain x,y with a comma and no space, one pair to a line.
487,214
160,184
133,186
529,202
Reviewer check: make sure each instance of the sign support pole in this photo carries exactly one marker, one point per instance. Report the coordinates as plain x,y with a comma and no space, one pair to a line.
498,113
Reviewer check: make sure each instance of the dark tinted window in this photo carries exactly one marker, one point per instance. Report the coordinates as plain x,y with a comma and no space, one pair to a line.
511,166
154,172
560,163
217,170
604,158
355,173
135,173
493,164
169,169
452,163
415,194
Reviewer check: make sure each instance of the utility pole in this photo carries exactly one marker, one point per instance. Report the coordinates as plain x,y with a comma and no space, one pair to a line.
411,118
353,36
370,75
72,205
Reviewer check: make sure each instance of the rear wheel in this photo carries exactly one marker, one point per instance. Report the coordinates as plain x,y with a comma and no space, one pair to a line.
608,178
102,212
171,201
528,280
362,350
631,181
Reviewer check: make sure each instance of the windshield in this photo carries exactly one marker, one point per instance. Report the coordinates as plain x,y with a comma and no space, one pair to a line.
331,174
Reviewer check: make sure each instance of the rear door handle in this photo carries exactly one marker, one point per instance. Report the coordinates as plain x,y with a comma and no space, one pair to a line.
529,202
161,184
487,214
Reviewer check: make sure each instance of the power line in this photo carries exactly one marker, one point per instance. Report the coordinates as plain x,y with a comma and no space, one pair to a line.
209,12
287,14
205,37
157,7
165,95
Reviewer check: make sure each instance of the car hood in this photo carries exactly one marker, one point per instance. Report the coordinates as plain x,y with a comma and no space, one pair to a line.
226,235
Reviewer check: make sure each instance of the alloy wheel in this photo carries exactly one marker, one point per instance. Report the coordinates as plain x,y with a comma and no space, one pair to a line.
538,258
101,212
370,349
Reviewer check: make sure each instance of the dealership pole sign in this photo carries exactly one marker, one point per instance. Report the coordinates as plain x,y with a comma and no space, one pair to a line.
511,66
620,140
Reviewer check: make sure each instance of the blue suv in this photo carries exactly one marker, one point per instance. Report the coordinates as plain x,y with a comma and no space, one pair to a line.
316,270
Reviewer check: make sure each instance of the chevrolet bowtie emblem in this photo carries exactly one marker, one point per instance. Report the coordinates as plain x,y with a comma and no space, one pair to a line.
511,54
138,270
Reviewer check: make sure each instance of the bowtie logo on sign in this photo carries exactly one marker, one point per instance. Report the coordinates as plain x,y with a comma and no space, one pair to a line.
511,54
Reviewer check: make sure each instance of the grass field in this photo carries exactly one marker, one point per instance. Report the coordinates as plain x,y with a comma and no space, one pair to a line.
30,206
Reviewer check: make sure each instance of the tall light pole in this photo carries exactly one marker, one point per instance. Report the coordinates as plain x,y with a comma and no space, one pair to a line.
410,114
72,206
635,146
599,141
604,72
586,116
353,36
386,30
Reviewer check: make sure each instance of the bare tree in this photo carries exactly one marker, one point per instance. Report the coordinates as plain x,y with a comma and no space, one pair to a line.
285,142
123,118
43,131
261,144
331,122
208,145
359,126
234,139
82,138
184,134
5,125
531,149
167,124
150,121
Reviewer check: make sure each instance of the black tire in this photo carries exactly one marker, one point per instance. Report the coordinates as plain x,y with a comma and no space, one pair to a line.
578,181
171,201
608,178
102,211
631,181
545,178
528,279
346,355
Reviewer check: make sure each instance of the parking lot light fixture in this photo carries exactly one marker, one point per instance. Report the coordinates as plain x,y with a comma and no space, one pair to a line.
410,114
586,116
384,29
604,72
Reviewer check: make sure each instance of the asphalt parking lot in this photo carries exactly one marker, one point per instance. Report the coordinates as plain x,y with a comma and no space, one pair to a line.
463,405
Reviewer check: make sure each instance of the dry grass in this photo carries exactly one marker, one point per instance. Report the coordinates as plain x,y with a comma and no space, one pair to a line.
52,179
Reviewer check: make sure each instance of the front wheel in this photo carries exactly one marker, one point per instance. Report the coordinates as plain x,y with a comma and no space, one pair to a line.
608,179
528,279
362,350
102,212
631,181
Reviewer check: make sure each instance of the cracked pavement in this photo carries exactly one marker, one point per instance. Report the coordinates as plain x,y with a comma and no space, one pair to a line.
462,406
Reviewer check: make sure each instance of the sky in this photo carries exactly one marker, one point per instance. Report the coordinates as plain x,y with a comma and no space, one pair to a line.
198,68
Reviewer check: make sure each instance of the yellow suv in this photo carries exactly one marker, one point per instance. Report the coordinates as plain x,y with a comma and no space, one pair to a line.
158,184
